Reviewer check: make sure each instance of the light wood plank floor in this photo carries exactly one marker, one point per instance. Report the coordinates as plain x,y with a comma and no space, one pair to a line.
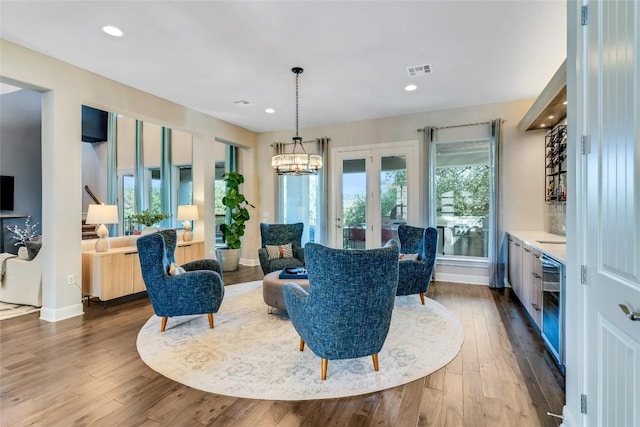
86,371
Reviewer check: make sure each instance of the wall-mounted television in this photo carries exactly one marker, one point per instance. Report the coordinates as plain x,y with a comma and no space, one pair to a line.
94,124
6,192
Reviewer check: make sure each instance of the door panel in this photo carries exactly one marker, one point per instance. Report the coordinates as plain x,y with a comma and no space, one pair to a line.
351,222
393,196
613,209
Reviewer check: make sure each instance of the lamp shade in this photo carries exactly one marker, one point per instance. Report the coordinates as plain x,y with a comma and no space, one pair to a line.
102,214
188,212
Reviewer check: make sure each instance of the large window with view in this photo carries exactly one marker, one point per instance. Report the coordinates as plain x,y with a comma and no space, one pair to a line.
299,202
462,196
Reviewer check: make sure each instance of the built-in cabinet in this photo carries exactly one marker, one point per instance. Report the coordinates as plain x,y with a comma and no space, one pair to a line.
536,275
525,277
117,273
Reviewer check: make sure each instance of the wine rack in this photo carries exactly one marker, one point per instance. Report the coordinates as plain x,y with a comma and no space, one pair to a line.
556,164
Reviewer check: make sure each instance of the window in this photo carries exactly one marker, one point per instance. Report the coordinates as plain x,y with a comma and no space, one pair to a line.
462,196
299,202
219,208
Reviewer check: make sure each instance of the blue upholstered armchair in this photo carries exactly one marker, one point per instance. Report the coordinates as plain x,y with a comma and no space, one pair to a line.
193,292
414,276
347,311
278,235
170,241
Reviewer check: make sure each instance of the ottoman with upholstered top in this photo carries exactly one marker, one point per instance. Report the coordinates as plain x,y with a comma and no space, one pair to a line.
272,289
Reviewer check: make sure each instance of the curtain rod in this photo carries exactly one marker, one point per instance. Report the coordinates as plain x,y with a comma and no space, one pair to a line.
291,143
457,126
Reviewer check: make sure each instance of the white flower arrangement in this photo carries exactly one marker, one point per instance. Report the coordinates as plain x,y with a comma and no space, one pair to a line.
23,235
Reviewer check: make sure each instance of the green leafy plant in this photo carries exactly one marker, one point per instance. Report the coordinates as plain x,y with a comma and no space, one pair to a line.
147,217
237,204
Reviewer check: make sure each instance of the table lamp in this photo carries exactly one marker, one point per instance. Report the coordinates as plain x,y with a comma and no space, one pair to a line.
102,214
187,213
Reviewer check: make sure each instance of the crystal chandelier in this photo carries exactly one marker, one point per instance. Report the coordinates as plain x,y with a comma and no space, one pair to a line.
296,163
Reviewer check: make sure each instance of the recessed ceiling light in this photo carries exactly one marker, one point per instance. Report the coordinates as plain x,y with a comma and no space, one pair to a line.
543,125
410,88
565,102
269,110
112,31
551,117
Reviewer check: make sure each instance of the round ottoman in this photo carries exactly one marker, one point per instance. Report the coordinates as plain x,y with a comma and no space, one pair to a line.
272,289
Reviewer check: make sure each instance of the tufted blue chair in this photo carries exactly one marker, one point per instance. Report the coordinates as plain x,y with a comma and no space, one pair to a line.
414,276
281,234
347,311
170,241
193,292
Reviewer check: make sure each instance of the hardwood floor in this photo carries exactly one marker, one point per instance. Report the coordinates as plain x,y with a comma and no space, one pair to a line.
86,371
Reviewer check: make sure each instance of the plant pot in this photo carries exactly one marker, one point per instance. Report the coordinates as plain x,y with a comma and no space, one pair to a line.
150,230
229,258
23,253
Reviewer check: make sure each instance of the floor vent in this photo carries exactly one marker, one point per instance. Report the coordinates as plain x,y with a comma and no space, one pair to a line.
419,70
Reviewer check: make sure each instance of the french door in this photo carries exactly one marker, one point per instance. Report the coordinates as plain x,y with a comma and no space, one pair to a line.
376,190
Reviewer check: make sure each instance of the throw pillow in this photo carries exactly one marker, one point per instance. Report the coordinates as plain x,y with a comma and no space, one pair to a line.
175,269
409,257
279,251
32,248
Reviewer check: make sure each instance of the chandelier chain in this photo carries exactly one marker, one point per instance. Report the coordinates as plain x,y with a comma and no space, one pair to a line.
297,77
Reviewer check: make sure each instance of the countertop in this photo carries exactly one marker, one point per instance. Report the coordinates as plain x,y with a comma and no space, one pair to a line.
534,239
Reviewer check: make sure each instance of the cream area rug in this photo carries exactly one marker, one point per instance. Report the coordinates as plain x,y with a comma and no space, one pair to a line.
253,354
9,311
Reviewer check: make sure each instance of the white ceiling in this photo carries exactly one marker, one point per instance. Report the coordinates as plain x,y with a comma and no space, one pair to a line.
207,54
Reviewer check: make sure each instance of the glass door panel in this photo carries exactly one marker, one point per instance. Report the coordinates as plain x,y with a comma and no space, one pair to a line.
393,196
353,204
379,190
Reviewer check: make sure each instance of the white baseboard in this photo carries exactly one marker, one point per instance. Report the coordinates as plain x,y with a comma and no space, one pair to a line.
57,314
249,262
461,278
567,419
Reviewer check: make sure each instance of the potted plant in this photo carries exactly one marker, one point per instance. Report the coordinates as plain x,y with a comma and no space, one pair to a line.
147,218
236,203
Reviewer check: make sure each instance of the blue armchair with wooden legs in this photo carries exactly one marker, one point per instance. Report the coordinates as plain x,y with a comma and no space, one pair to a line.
277,235
347,312
192,292
414,275
170,240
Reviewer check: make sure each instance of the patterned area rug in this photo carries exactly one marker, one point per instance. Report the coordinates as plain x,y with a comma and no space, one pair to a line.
9,311
253,354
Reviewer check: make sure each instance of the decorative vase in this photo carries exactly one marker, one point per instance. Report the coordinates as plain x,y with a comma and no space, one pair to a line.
229,258
23,253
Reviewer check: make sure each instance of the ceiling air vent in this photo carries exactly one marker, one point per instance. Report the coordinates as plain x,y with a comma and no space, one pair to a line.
243,102
419,70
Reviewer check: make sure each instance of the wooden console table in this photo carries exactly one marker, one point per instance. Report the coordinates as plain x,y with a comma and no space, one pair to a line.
117,273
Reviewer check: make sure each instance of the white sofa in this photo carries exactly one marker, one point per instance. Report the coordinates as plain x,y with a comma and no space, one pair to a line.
22,282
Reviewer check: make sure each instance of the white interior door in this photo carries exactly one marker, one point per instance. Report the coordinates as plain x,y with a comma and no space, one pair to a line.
612,350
